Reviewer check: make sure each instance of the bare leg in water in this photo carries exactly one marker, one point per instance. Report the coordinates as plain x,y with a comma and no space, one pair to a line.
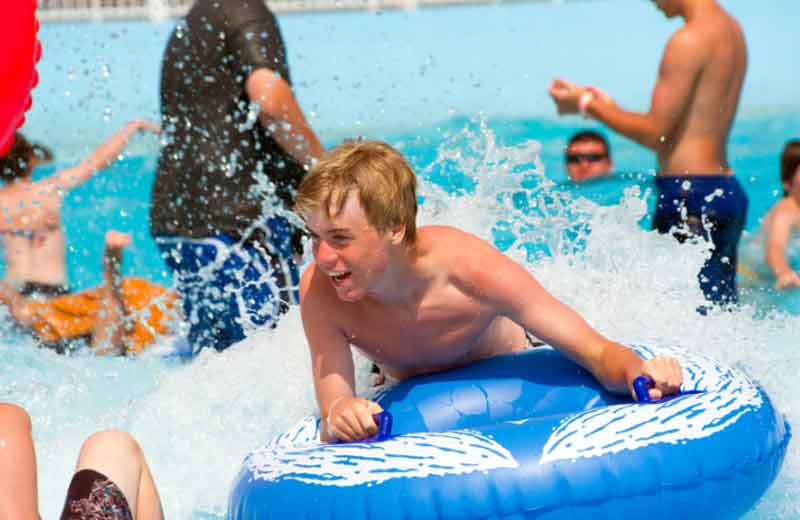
108,336
113,453
18,491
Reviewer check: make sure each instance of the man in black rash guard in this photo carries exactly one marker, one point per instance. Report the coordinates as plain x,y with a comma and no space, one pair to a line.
236,145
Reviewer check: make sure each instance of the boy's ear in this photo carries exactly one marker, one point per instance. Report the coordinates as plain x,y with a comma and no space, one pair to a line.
398,234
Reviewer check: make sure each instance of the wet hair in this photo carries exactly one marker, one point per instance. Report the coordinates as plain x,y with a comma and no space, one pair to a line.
15,164
592,136
42,153
381,177
790,160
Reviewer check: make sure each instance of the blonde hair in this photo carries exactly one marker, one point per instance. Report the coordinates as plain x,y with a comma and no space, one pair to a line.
381,177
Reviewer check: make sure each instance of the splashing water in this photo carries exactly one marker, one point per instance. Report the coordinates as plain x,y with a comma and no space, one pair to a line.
197,421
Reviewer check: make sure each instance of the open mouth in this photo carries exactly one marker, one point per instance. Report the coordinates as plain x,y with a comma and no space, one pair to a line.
339,277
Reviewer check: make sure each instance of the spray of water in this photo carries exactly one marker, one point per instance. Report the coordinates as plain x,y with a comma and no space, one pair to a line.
197,421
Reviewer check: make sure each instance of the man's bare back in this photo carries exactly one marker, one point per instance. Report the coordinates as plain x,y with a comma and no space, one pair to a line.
695,98
713,45
33,238
687,125
34,253
447,325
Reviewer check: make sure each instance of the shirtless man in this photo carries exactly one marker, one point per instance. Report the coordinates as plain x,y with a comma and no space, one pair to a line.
421,301
35,251
692,108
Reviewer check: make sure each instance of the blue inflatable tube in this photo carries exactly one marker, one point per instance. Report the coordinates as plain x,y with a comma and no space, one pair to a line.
528,436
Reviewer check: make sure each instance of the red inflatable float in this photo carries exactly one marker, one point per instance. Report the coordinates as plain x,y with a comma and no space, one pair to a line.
19,54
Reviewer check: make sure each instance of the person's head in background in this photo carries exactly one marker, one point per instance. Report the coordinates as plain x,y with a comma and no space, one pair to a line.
790,169
20,160
588,156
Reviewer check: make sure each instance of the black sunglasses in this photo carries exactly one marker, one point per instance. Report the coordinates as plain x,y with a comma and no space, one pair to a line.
575,158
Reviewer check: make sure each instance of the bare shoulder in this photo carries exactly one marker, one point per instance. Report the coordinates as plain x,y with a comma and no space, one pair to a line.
688,41
30,201
449,241
786,210
468,260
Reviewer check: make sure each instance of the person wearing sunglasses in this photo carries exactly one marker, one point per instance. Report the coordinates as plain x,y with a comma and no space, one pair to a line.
692,109
588,156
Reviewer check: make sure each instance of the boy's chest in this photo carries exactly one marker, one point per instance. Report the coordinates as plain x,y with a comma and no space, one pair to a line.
431,334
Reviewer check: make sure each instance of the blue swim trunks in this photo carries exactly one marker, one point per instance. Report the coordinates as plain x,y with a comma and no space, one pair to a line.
711,207
230,288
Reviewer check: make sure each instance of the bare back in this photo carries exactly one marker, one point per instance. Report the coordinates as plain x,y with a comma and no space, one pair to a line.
719,61
34,253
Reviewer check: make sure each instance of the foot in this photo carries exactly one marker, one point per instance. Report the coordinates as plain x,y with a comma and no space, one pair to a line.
117,240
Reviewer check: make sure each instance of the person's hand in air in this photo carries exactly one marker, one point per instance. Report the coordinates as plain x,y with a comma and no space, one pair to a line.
567,96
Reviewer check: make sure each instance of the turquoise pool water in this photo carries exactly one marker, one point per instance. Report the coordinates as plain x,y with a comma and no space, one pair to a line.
462,92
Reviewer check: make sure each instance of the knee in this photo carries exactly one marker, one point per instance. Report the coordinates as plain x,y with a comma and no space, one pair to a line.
120,443
14,418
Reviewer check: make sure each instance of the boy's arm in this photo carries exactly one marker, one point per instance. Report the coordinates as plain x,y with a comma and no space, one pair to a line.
516,294
680,66
102,157
778,235
343,415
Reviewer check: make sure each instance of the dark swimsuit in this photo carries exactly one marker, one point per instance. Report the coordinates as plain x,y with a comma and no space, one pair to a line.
710,207
93,496
46,291
43,290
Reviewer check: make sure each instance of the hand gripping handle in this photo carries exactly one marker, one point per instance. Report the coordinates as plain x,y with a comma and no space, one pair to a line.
384,422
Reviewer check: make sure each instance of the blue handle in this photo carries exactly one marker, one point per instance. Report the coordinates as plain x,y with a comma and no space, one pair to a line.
641,387
384,422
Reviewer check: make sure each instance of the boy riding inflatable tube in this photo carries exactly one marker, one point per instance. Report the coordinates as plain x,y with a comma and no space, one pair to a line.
531,435
18,57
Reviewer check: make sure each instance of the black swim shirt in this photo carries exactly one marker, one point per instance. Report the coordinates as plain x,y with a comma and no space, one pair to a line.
213,144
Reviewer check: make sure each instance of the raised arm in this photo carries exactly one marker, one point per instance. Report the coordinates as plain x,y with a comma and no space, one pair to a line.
281,114
102,157
678,72
778,233
343,415
515,293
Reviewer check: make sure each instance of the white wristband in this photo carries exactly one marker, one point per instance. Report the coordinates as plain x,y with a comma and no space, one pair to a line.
583,103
